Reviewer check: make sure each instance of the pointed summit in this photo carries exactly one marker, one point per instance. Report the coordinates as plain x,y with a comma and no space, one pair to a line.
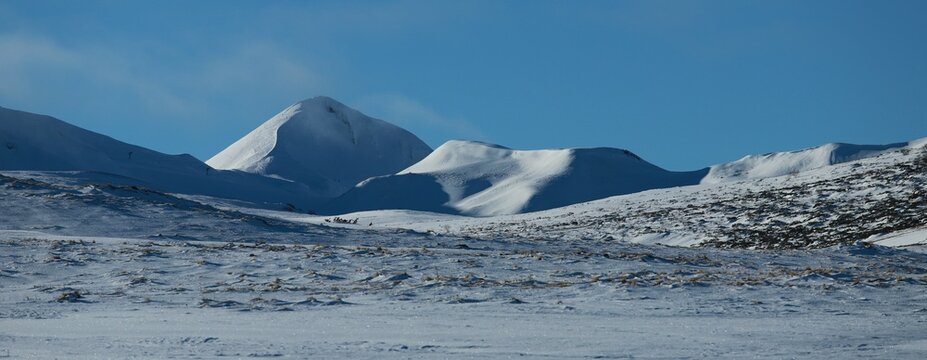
324,144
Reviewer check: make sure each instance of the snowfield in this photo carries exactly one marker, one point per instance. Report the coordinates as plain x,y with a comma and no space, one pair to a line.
454,298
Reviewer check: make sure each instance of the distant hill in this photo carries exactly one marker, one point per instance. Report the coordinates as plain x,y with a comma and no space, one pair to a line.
43,143
473,178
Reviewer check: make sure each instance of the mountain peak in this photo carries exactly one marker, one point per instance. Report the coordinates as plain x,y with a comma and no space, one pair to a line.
470,143
322,102
324,144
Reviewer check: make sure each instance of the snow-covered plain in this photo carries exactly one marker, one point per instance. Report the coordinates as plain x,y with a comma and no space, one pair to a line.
413,296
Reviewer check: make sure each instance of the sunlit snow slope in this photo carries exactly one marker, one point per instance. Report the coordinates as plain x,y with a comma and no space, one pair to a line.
472,178
792,162
480,179
42,143
325,145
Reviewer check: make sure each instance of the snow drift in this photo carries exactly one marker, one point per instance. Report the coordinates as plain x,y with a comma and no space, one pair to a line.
325,145
42,143
473,178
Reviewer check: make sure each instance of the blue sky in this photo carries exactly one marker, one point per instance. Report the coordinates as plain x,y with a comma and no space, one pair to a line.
684,84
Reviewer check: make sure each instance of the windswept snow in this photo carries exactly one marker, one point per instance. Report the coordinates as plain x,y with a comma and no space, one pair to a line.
474,178
904,238
324,144
43,143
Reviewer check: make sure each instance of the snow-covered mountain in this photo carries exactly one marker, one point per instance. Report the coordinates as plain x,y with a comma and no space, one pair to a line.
474,178
325,145
42,143
878,199
792,162
314,152
78,256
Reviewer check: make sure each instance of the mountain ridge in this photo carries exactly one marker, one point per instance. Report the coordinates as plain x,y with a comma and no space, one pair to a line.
34,142
789,162
481,179
475,178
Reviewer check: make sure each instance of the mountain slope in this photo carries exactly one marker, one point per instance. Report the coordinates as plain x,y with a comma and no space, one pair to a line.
480,179
879,199
323,144
792,162
42,143
472,178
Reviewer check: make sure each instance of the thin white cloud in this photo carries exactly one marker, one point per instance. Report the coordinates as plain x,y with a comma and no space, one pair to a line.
407,112
25,55
374,18
34,68
255,64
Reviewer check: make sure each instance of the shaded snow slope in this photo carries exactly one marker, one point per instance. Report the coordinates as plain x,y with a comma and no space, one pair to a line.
480,179
792,162
323,144
42,143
